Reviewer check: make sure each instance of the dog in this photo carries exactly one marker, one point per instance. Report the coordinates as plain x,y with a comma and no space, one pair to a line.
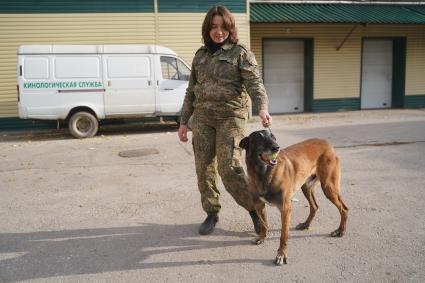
274,175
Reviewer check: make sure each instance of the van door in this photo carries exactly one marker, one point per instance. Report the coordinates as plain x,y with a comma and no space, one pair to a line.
34,74
129,88
172,85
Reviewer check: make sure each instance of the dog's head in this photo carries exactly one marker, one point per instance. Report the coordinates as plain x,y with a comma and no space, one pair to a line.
261,146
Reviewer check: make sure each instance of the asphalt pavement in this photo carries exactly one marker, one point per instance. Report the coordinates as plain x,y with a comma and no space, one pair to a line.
124,207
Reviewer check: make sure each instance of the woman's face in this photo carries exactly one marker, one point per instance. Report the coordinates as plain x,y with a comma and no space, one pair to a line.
218,33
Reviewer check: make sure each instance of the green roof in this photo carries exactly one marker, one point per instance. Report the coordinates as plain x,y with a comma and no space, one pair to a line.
337,13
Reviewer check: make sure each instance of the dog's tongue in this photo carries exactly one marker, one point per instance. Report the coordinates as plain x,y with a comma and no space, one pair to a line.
265,157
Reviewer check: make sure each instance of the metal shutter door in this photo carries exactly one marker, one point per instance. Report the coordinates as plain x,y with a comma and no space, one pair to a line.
376,73
284,75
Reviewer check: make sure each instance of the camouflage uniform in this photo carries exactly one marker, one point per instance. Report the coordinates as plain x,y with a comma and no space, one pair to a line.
217,99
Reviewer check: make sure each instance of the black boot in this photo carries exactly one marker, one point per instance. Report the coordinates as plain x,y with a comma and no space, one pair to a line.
208,225
255,221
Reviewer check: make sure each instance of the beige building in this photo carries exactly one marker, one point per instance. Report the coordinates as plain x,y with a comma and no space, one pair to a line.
175,24
339,55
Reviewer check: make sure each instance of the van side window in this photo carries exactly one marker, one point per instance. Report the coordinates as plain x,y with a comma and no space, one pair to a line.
36,68
174,69
68,67
128,67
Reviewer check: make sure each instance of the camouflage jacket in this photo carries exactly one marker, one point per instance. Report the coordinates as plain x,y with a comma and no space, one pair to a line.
219,83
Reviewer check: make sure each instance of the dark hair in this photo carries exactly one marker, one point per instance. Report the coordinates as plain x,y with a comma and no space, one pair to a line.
228,24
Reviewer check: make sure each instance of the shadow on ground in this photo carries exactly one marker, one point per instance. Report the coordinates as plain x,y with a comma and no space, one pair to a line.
106,130
26,256
73,252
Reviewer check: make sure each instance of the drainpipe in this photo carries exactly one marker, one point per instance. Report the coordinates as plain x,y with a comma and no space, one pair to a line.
156,21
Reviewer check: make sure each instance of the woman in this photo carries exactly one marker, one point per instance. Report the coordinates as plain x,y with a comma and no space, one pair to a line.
222,72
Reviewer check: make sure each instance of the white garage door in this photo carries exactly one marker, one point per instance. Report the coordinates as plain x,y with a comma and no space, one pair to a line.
377,73
284,75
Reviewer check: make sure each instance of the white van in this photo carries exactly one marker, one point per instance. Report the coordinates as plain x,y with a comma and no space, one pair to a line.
83,84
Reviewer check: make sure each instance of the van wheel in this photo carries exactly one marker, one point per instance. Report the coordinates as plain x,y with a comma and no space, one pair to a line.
83,125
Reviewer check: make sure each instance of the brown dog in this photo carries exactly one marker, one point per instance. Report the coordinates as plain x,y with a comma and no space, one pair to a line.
274,176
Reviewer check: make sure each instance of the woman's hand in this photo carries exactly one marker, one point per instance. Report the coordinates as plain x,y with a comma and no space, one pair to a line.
183,133
265,117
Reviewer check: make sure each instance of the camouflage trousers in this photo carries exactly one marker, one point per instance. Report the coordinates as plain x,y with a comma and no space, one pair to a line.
216,148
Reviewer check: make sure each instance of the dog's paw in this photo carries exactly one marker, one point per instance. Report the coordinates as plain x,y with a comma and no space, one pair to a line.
337,233
280,260
258,241
302,226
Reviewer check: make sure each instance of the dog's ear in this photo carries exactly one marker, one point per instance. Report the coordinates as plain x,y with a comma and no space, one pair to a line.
244,143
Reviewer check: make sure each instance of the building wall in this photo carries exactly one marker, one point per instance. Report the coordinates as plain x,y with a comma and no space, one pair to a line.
337,72
182,32
179,23
175,24
415,71
19,29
